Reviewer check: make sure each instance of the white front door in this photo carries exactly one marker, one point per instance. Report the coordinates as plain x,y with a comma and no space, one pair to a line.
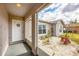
17,30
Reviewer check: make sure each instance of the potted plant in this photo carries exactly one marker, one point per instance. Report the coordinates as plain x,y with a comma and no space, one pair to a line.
65,40
45,39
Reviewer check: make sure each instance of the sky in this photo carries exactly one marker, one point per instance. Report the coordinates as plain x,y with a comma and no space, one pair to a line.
56,11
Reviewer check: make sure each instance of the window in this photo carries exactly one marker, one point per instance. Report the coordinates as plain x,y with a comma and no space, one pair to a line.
42,29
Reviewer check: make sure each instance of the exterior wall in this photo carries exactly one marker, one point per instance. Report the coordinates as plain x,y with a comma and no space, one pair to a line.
59,26
4,37
48,28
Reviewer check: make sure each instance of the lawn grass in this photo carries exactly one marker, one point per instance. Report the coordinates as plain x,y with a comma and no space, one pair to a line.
73,36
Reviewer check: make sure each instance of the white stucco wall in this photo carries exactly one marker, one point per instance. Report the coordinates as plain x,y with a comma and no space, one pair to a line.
4,37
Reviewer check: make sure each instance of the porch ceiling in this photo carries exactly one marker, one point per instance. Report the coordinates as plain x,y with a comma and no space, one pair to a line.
25,8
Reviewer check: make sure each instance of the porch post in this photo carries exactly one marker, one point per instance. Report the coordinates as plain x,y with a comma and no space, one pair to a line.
34,34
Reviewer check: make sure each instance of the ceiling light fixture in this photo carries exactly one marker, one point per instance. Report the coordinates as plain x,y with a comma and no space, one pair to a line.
18,5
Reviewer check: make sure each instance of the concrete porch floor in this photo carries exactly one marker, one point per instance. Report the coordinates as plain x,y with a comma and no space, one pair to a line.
20,49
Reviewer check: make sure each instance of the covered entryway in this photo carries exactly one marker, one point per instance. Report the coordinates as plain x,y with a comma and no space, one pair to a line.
12,26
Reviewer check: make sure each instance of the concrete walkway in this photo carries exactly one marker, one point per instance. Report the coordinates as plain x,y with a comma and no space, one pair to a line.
20,49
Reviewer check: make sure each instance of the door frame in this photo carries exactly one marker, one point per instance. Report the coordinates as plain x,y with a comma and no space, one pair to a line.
10,28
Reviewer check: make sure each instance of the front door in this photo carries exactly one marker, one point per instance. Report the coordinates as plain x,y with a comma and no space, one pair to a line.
17,30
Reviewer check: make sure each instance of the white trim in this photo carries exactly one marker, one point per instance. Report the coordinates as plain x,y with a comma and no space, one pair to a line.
5,50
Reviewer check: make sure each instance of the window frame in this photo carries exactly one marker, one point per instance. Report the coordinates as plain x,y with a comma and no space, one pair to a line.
43,29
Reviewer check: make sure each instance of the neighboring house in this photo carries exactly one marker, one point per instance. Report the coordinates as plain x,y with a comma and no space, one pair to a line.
74,27
43,27
55,27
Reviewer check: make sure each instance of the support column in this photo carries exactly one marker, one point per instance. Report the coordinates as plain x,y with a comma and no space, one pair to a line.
34,34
